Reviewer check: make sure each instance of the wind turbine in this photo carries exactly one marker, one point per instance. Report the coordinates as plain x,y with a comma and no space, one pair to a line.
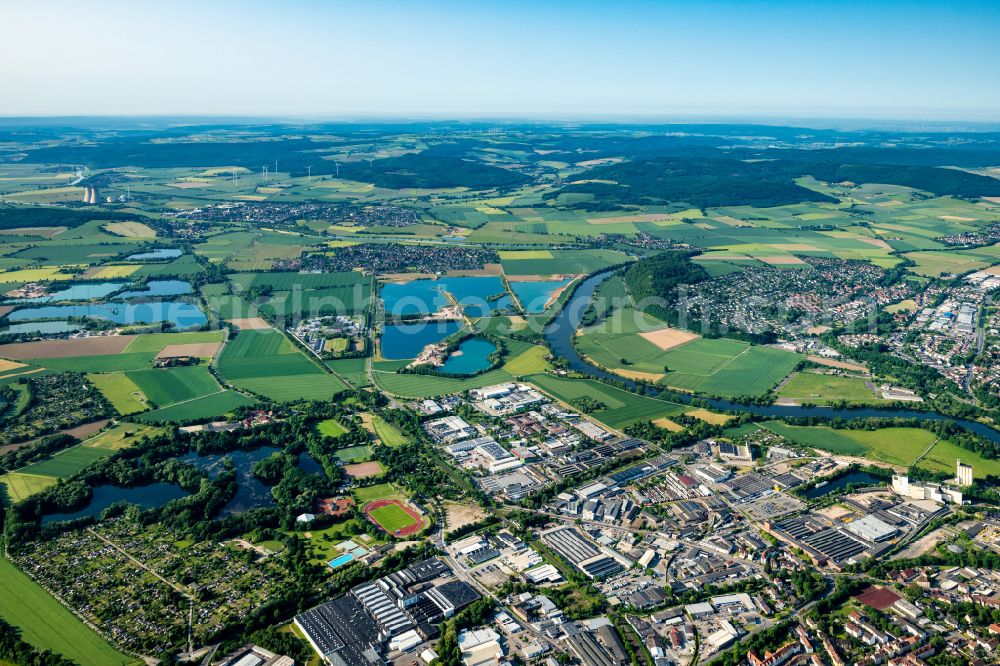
337,164
263,172
309,169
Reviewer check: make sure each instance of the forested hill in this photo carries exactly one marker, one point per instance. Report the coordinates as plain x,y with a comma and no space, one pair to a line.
707,182
653,282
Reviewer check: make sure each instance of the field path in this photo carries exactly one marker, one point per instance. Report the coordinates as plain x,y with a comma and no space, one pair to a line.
926,451
142,566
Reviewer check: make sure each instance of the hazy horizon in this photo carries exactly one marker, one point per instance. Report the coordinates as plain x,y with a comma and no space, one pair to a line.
563,61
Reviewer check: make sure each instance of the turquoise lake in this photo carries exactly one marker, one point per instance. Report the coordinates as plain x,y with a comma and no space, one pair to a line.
181,315
425,296
146,497
534,295
406,340
416,297
44,327
158,253
157,288
471,356
79,292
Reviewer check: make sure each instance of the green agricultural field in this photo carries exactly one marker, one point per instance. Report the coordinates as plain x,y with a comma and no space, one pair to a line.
617,338
121,436
933,264
204,407
717,366
378,491
529,362
392,517
66,463
267,363
330,428
154,342
388,435
100,363
352,370
36,477
824,389
47,625
943,456
754,371
895,446
17,486
622,407
166,386
285,281
294,387
121,392
354,454
820,437
561,262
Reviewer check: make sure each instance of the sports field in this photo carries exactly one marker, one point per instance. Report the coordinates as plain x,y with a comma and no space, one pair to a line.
330,428
622,408
378,491
394,517
353,454
47,625
824,389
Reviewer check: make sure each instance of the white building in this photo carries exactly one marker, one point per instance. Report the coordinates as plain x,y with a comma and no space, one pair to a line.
963,474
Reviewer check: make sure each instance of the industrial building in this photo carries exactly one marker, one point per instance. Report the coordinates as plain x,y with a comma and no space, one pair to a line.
582,553
395,613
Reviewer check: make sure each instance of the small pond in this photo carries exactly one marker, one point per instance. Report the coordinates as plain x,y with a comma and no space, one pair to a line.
471,356
158,253
309,465
842,482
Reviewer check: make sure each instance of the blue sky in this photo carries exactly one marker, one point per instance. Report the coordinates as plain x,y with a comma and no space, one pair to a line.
909,60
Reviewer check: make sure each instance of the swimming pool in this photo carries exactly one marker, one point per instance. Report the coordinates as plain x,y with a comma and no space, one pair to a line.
341,560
